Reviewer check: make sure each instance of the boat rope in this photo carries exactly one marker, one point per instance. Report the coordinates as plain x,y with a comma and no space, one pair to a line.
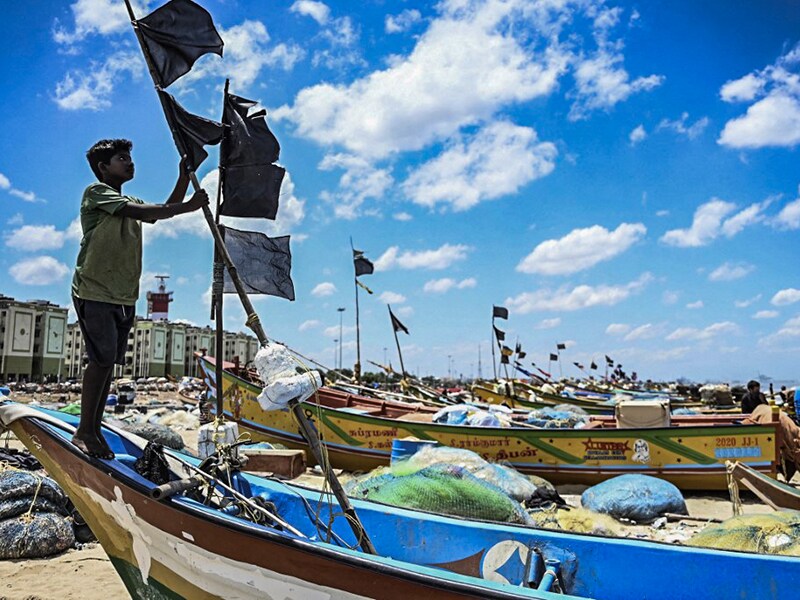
733,489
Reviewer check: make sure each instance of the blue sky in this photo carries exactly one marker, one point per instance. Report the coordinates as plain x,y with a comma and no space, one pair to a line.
622,176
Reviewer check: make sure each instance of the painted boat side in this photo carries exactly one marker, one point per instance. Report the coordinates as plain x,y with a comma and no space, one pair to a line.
691,457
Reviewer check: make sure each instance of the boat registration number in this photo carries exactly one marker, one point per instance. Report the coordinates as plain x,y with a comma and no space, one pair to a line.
736,447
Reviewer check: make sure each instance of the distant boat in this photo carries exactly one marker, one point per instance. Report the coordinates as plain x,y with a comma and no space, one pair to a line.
358,434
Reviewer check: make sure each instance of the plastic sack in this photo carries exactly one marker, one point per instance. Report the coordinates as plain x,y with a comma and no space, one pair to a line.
278,370
639,498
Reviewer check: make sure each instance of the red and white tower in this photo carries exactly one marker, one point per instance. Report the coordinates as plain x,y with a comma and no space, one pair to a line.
158,302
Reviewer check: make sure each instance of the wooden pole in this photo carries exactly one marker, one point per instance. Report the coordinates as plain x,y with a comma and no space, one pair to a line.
397,341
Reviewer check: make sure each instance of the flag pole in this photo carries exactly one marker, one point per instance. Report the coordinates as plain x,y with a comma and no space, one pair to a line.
397,341
218,286
357,366
493,342
253,322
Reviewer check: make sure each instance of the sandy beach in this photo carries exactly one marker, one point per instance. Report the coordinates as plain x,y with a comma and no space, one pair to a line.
86,573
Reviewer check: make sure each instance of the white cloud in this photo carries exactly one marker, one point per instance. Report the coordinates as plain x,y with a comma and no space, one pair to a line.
247,53
644,332
774,117
402,216
326,288
92,89
548,323
441,258
748,302
789,333
31,238
577,298
101,17
498,160
680,126
309,324
730,271
789,216
602,83
4,182
392,298
670,297
360,181
430,94
710,222
440,286
766,314
712,331
402,22
333,331
16,219
695,305
618,329
637,135
784,297
581,249
40,270
662,213
318,11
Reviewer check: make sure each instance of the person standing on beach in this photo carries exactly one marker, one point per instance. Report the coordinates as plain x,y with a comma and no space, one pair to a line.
105,286
753,397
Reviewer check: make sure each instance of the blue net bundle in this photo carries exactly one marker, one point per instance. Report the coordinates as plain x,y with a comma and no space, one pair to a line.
639,498
35,536
558,417
441,488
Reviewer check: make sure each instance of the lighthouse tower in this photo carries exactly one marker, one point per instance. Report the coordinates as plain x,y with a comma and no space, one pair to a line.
158,302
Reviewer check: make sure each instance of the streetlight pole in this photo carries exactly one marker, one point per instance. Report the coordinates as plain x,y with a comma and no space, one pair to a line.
341,311
449,358
335,344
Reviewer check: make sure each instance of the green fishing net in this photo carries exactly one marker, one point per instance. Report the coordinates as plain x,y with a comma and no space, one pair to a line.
440,488
775,533
577,520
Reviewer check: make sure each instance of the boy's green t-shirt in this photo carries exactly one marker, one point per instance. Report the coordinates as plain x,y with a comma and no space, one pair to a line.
110,259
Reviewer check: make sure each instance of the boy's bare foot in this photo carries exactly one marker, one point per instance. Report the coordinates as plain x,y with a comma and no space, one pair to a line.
93,447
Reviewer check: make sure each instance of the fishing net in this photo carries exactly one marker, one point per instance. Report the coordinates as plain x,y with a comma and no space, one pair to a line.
440,488
532,491
775,533
552,418
472,416
577,520
639,498
154,432
35,535
17,484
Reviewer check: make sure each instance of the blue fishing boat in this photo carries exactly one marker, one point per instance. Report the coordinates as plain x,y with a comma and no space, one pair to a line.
164,542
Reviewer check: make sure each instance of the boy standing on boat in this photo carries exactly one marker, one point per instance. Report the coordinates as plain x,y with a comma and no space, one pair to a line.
105,286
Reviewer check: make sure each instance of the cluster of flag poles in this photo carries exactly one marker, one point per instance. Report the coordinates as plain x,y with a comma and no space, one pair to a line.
172,38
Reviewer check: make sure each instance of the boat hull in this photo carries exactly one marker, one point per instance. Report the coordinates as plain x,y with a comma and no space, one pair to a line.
691,457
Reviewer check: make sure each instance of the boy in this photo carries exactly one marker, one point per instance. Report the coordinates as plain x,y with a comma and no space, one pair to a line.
105,286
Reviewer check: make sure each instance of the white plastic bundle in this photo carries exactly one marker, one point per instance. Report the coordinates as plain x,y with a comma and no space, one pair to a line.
282,383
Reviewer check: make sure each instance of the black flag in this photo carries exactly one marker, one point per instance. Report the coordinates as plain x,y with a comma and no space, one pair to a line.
176,35
579,365
396,324
252,184
593,365
499,312
503,359
264,264
506,351
609,360
190,131
553,356
521,354
362,265
561,346
499,334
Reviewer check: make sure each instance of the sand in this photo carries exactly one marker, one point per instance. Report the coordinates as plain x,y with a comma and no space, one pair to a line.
87,574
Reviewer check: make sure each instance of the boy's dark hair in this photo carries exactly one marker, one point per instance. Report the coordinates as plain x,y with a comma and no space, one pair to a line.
102,152
753,384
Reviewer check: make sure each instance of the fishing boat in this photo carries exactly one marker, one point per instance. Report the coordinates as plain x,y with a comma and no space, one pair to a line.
165,543
777,494
358,434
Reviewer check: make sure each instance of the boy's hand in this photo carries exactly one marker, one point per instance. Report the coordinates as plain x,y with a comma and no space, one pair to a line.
198,200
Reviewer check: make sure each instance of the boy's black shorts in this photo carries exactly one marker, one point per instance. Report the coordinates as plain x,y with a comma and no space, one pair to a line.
105,329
